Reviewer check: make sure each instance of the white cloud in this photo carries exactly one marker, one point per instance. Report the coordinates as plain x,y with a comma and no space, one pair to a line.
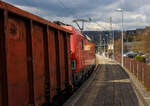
30,9
136,12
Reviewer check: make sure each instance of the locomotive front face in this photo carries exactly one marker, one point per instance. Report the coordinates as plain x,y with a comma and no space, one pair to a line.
77,48
82,56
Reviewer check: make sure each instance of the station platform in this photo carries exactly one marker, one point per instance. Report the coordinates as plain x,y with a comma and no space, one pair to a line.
109,85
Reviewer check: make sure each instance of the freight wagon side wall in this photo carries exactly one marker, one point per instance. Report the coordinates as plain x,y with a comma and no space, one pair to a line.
33,59
59,56
62,60
20,82
54,72
16,48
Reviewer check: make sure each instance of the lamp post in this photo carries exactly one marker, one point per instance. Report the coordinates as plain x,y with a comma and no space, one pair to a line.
121,10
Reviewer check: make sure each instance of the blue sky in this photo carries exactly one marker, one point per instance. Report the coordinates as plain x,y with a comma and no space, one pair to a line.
136,12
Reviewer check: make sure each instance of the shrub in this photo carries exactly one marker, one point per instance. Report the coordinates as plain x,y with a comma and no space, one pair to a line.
140,58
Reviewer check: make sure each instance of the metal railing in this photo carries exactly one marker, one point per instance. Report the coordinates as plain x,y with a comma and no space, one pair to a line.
139,69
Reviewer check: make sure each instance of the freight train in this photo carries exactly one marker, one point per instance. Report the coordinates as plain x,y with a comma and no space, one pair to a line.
39,60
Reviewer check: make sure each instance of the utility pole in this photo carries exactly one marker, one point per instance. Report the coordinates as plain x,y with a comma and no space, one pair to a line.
111,28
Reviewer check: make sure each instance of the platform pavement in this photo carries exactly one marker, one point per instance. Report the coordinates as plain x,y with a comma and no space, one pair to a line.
109,86
139,88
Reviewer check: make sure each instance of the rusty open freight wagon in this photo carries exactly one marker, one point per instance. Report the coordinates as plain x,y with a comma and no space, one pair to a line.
34,58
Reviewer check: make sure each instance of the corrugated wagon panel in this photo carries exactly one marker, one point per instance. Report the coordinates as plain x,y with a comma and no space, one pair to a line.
38,62
46,62
54,82
18,92
62,60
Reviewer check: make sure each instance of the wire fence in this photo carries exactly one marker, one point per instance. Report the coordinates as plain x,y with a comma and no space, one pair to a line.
139,69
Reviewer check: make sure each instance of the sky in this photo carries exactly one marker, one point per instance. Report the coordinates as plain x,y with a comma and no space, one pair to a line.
136,13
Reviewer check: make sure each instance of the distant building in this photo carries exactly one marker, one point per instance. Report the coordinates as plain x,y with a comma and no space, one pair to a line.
131,45
134,32
96,36
130,32
139,31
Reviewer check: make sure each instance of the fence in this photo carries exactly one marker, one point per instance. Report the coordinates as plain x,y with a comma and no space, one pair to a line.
139,69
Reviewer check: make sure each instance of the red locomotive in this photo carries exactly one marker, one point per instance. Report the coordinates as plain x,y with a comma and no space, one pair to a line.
82,55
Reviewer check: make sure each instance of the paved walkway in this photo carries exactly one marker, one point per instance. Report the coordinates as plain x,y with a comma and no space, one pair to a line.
110,87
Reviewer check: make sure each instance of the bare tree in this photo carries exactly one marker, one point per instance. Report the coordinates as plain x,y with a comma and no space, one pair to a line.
118,47
145,38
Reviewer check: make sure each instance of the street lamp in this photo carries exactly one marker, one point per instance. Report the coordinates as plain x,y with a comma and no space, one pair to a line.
121,10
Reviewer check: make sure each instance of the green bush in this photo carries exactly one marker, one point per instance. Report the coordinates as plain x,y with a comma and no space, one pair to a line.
140,58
